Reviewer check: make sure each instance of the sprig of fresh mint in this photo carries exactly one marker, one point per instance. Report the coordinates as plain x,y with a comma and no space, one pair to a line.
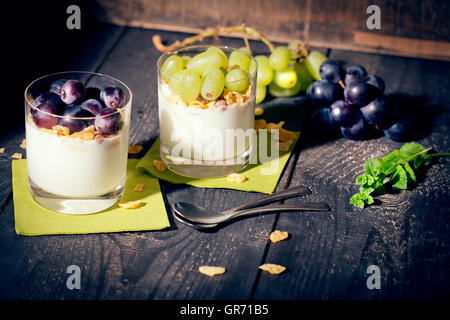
397,169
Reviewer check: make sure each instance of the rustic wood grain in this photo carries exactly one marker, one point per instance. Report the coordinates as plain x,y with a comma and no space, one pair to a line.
324,23
405,233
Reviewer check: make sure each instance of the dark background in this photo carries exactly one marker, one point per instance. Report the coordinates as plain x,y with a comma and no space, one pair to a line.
37,42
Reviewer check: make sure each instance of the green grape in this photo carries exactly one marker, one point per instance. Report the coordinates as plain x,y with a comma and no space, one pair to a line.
296,47
265,71
260,93
303,76
211,89
205,60
186,59
215,73
237,80
213,83
279,58
240,58
172,65
277,91
313,62
224,63
285,78
187,84
252,67
245,50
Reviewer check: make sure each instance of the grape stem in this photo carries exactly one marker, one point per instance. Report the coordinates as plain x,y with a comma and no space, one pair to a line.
214,32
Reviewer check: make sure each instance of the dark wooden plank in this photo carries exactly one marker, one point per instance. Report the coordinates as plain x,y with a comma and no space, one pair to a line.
325,23
406,235
144,265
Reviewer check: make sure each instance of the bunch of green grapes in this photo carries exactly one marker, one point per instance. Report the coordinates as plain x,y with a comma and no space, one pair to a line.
285,73
207,74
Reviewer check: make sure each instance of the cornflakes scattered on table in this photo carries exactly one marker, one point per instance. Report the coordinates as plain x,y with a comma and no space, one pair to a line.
211,270
131,204
272,268
139,187
17,156
159,165
134,149
278,235
236,178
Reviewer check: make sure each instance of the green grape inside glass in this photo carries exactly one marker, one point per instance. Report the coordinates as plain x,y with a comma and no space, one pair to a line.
206,100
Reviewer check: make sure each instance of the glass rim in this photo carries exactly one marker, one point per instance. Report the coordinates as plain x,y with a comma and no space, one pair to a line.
205,46
118,110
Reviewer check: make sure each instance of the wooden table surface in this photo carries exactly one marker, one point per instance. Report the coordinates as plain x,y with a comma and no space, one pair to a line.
327,254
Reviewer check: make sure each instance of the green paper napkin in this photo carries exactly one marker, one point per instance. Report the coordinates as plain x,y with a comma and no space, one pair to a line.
32,219
256,180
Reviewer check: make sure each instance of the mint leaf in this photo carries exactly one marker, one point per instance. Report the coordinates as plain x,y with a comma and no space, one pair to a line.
410,172
399,179
398,166
361,179
361,199
411,148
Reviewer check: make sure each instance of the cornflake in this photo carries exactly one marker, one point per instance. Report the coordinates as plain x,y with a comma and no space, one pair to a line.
278,235
259,124
236,178
23,145
211,270
159,165
134,149
271,126
283,146
131,204
286,135
2,150
272,268
87,133
139,187
259,111
17,156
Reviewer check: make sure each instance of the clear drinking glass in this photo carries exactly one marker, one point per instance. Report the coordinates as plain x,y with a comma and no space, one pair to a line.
201,137
77,161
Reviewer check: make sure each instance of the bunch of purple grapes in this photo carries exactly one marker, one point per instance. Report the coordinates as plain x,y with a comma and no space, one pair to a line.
353,102
70,104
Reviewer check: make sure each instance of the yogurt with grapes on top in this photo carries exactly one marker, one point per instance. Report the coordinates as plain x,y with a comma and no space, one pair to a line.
77,139
206,105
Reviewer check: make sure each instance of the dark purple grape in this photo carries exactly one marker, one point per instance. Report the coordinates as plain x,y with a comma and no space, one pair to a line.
71,115
322,124
323,93
375,81
377,112
403,130
72,92
344,114
354,73
359,93
92,93
93,106
112,96
49,97
56,86
356,132
107,122
331,70
42,115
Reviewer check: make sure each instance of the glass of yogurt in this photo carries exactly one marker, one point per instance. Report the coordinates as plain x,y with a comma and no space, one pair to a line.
77,128
206,101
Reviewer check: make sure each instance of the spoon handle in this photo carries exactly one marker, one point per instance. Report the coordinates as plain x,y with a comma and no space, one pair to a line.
285,194
306,206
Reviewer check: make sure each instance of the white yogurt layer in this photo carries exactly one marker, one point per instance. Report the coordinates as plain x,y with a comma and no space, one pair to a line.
210,134
73,167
